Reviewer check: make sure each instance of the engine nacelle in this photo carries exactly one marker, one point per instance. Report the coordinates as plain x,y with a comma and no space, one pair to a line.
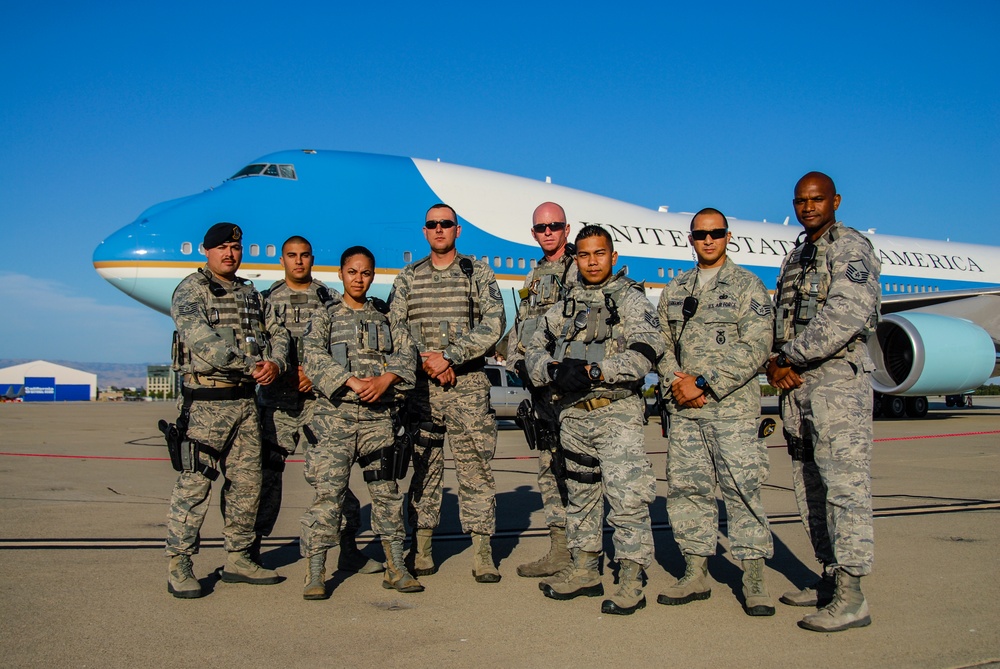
929,354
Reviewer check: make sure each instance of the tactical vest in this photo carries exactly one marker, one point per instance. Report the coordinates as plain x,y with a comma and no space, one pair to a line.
293,309
593,330
439,305
237,314
803,289
547,287
360,341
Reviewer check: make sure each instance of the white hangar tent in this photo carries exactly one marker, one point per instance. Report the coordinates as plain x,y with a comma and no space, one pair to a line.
42,381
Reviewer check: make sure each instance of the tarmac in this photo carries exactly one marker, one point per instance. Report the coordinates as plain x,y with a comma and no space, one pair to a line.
85,488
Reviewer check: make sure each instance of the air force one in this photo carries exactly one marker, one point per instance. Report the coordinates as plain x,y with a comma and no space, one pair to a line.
939,335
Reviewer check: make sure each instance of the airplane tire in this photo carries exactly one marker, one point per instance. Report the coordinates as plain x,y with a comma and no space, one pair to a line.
916,407
877,405
893,406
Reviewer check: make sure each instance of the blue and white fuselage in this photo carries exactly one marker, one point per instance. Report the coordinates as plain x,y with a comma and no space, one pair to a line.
339,199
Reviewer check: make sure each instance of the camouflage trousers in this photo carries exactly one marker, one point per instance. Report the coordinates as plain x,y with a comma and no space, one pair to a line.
831,413
464,411
231,428
282,431
347,431
612,434
703,453
552,490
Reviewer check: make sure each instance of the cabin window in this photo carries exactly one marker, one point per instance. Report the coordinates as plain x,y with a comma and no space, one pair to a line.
407,256
510,263
496,261
520,263
670,272
186,248
255,250
659,272
270,250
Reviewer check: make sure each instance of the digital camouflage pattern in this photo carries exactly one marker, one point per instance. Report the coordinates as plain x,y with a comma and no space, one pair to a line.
827,420
726,341
545,285
286,414
613,433
221,337
347,428
436,306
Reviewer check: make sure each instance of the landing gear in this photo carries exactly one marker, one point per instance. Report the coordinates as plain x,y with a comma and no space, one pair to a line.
893,406
916,407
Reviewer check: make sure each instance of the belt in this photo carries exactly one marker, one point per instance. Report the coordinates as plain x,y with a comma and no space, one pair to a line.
240,392
595,403
199,380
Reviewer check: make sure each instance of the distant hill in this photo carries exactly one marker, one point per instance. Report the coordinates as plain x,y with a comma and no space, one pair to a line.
119,375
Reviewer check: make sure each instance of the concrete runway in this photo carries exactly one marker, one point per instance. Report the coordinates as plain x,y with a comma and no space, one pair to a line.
84,497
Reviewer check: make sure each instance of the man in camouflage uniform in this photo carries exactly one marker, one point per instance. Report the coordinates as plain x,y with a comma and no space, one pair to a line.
545,285
717,322
453,308
227,341
287,404
594,348
827,305
355,360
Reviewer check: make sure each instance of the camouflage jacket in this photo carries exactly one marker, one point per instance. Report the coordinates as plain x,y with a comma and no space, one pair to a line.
849,302
546,283
726,340
629,350
435,304
222,334
293,309
341,342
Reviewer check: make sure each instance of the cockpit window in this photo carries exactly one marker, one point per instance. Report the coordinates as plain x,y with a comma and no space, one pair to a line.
267,170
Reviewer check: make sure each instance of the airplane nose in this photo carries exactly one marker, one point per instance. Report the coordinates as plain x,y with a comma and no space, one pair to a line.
114,258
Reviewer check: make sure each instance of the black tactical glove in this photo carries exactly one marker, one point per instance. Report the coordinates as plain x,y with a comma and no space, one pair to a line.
521,369
570,376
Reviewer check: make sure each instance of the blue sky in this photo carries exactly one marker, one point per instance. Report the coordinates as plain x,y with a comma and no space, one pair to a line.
108,108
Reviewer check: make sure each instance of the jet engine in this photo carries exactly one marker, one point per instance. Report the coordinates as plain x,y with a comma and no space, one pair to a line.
928,354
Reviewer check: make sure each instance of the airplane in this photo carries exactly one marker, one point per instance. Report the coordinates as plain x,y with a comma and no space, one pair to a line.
939,335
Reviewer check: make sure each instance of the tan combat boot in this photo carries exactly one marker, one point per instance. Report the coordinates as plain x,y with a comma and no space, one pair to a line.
241,569
628,598
181,582
353,560
848,608
584,579
756,600
396,576
552,562
420,551
315,587
692,586
819,593
483,568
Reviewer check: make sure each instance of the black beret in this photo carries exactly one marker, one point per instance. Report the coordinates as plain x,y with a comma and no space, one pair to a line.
220,233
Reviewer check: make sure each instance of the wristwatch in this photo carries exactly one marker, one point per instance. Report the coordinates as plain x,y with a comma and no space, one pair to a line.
782,360
595,372
451,363
701,382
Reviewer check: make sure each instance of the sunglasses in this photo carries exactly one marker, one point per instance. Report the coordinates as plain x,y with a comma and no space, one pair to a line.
446,224
554,227
701,235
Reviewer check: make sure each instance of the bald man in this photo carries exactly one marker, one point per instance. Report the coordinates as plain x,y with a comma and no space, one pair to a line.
827,305
546,283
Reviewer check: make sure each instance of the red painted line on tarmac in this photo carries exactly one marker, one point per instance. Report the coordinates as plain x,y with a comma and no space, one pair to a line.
938,436
79,457
513,457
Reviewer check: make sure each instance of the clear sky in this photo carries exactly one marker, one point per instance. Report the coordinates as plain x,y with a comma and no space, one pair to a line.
109,107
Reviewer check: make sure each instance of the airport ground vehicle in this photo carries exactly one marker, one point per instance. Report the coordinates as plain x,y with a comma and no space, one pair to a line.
506,391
